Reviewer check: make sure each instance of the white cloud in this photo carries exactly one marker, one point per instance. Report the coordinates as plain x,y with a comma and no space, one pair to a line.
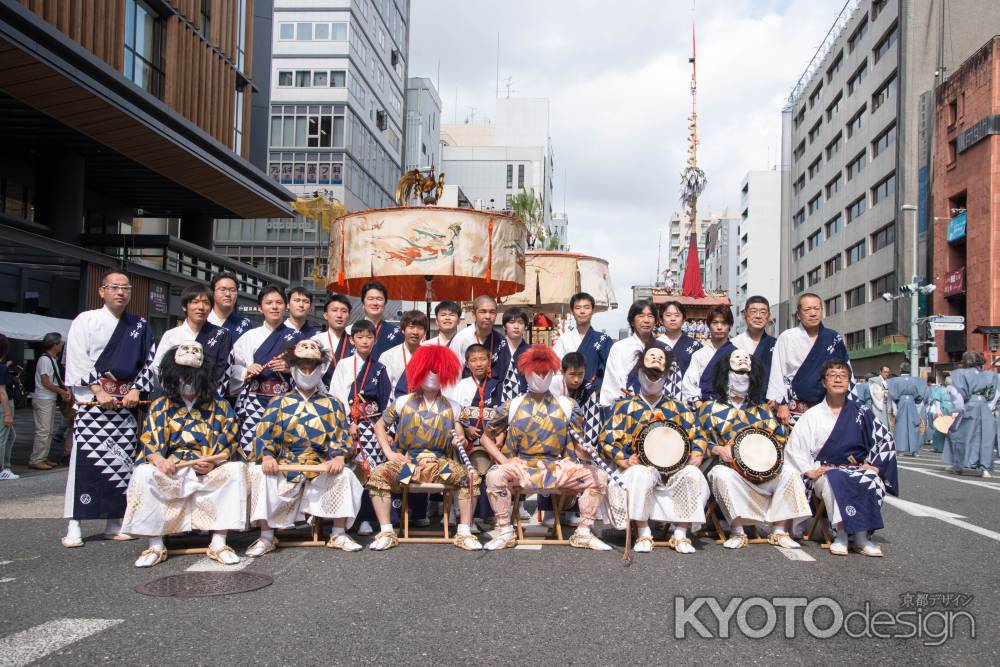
617,76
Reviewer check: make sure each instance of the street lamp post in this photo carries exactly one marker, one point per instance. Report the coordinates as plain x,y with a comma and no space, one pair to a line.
914,295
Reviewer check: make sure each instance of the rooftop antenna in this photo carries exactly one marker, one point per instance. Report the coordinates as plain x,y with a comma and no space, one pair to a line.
509,85
498,66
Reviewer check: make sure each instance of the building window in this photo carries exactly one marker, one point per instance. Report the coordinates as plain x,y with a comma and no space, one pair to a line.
306,168
884,237
834,107
835,67
799,217
799,117
857,35
884,140
238,120
877,7
814,239
815,203
509,203
814,167
832,305
884,94
510,176
859,75
799,285
883,284
799,251
311,126
855,253
833,187
324,31
855,166
241,34
814,131
286,31
312,78
799,184
855,209
855,340
833,225
884,188
815,95
856,122
800,150
144,47
833,265
882,332
813,276
885,44
520,176
854,297
833,147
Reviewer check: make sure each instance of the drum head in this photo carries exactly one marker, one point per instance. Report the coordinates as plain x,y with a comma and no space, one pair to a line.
758,453
663,445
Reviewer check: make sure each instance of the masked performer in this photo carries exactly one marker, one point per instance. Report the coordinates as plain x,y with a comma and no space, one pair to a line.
186,479
542,432
739,378
303,427
679,499
428,430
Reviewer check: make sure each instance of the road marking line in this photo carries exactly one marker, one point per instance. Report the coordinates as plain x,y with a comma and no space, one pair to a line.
954,478
795,554
947,517
28,646
528,547
208,565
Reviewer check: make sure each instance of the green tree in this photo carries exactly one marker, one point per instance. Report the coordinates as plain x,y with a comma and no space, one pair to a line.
527,208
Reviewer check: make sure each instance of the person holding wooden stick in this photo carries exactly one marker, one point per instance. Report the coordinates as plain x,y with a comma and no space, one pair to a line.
428,434
190,474
303,434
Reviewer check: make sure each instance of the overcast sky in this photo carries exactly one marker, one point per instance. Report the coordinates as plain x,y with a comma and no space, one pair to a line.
617,77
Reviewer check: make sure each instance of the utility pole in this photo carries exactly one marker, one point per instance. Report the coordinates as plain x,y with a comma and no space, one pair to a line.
914,295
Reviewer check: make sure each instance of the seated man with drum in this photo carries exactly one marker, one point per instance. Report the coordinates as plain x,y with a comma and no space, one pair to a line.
304,435
428,437
750,483
849,459
543,437
654,440
190,474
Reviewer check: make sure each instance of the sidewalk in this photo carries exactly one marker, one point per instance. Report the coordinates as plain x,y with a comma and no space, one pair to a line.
24,430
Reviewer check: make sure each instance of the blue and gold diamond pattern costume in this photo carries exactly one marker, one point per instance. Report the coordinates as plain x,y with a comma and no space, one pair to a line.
308,431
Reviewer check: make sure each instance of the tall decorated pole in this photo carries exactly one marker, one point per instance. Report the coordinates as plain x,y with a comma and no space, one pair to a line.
692,185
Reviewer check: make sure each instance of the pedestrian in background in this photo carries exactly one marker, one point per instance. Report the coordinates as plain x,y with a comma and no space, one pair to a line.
49,390
6,413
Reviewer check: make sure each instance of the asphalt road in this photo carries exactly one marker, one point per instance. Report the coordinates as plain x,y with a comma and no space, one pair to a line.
434,604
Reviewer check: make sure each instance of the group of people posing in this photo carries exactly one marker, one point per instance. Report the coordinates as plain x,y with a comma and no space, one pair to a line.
263,428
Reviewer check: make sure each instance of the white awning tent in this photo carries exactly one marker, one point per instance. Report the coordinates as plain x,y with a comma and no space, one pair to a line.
24,326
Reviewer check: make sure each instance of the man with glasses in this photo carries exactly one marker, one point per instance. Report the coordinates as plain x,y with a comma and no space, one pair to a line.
799,354
224,289
755,341
108,356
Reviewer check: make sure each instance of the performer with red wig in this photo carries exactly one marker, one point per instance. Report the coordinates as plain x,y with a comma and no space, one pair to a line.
540,451
427,435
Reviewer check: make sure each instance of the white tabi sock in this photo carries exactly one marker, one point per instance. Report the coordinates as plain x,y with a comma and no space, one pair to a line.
157,543
645,531
113,527
218,540
385,528
777,530
680,533
506,530
583,530
841,538
73,533
267,534
463,529
337,530
861,540
738,530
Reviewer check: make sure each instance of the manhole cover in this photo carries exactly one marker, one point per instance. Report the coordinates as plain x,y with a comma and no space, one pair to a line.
204,584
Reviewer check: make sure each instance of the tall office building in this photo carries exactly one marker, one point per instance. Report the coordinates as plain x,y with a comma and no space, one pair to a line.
423,125
124,128
721,248
850,160
758,254
493,162
338,84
